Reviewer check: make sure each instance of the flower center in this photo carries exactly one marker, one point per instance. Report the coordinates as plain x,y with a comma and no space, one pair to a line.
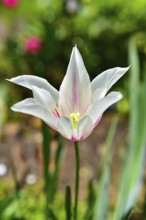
75,119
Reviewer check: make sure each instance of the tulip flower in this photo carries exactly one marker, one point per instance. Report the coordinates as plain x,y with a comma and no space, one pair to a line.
78,106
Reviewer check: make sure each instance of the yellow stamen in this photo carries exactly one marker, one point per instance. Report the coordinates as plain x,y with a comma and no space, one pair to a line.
75,119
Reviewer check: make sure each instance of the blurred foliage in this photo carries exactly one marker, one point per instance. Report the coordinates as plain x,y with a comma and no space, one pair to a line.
29,203
101,30
22,205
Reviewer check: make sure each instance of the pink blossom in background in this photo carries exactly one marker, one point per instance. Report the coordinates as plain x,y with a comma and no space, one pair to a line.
10,3
33,44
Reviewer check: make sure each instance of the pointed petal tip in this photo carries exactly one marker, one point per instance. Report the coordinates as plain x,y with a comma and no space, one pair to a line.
10,80
128,67
75,48
118,95
125,69
14,79
13,108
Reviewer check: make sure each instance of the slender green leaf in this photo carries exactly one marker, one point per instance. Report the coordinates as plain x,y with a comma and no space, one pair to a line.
68,203
102,201
134,92
55,174
131,177
90,201
52,216
46,151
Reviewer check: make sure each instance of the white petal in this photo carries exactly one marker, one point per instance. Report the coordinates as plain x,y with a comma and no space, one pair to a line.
64,127
30,106
75,90
28,81
100,106
104,81
85,128
44,98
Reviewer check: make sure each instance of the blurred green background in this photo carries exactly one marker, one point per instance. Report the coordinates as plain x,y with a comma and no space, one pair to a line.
100,29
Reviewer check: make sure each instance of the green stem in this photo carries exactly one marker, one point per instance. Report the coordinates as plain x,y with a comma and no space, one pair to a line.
77,156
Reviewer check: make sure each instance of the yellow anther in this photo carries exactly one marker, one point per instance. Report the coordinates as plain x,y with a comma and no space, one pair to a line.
75,119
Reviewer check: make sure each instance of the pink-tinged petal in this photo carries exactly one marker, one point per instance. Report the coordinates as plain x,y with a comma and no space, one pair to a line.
84,129
97,121
104,81
100,106
64,105
74,138
30,106
56,113
29,81
75,90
